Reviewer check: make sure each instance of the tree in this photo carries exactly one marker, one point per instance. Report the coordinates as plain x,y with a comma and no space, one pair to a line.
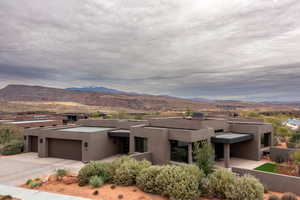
204,156
296,159
188,112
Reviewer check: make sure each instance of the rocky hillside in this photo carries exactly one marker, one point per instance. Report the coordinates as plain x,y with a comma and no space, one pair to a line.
135,102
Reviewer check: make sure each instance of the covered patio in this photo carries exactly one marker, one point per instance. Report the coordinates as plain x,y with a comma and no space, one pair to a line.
226,140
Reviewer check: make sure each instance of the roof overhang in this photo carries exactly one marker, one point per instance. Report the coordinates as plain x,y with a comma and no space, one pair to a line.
231,138
119,133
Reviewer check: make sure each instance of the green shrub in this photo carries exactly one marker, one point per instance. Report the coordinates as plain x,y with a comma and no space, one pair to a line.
247,188
146,180
13,147
33,183
295,138
96,181
179,182
94,169
204,156
61,172
128,171
273,197
289,196
222,183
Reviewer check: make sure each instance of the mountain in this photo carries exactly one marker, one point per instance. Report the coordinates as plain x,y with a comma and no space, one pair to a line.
97,89
99,98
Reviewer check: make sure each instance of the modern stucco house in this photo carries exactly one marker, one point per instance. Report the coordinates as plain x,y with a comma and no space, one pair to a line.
162,140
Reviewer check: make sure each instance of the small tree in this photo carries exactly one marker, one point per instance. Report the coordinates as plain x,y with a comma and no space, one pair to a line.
204,156
296,159
188,112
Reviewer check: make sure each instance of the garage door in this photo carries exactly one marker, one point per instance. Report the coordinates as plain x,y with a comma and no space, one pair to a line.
33,143
67,149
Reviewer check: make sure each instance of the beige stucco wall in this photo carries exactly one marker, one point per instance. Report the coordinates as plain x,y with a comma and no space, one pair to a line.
158,143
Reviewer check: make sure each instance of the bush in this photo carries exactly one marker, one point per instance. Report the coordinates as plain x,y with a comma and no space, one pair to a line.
222,183
33,183
13,147
204,156
128,171
146,180
179,182
96,181
61,172
247,188
9,133
289,196
226,185
273,197
100,169
295,138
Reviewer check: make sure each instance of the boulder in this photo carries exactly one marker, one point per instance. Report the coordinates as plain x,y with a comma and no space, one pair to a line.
70,179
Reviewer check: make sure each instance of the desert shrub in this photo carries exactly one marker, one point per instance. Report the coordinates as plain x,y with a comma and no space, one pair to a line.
100,169
33,183
289,196
273,197
13,147
204,156
179,182
222,183
146,180
295,138
96,181
127,172
61,172
9,133
246,188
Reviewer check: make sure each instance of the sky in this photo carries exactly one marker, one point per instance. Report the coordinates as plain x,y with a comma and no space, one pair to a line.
216,49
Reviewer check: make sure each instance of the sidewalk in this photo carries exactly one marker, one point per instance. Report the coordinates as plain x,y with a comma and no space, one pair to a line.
26,194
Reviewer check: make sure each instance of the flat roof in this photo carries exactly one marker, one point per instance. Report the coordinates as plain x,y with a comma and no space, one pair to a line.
231,138
32,121
85,129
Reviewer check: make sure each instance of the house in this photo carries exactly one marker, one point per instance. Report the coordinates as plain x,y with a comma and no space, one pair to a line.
162,140
294,124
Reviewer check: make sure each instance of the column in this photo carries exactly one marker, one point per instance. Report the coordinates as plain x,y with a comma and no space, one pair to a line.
226,155
190,153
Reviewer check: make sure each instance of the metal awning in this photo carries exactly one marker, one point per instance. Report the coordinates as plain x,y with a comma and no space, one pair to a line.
119,133
231,138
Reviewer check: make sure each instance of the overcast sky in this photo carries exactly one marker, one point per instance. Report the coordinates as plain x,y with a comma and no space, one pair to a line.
237,49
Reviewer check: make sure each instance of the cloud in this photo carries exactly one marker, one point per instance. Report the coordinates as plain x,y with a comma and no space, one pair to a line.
239,49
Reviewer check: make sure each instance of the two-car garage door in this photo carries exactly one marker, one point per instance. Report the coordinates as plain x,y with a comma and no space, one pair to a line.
67,149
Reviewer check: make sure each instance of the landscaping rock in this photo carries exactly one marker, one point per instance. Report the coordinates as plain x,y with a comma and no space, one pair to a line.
52,178
70,179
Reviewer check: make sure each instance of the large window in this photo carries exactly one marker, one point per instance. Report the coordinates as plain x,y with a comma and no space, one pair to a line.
140,144
179,151
266,140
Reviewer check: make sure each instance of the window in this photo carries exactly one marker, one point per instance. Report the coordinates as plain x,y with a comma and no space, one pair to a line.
265,140
179,151
140,144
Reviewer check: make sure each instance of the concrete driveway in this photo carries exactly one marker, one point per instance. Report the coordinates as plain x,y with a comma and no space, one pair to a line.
17,169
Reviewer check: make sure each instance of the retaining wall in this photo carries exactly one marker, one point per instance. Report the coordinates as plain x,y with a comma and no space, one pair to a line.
281,153
274,182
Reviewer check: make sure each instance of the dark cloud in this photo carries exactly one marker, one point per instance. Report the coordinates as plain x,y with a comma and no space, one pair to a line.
237,50
27,72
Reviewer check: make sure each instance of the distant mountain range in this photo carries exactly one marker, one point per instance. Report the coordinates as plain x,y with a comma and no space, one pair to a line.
114,91
97,89
99,96
116,99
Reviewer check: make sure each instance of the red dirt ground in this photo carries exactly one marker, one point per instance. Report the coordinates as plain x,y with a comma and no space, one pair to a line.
107,192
